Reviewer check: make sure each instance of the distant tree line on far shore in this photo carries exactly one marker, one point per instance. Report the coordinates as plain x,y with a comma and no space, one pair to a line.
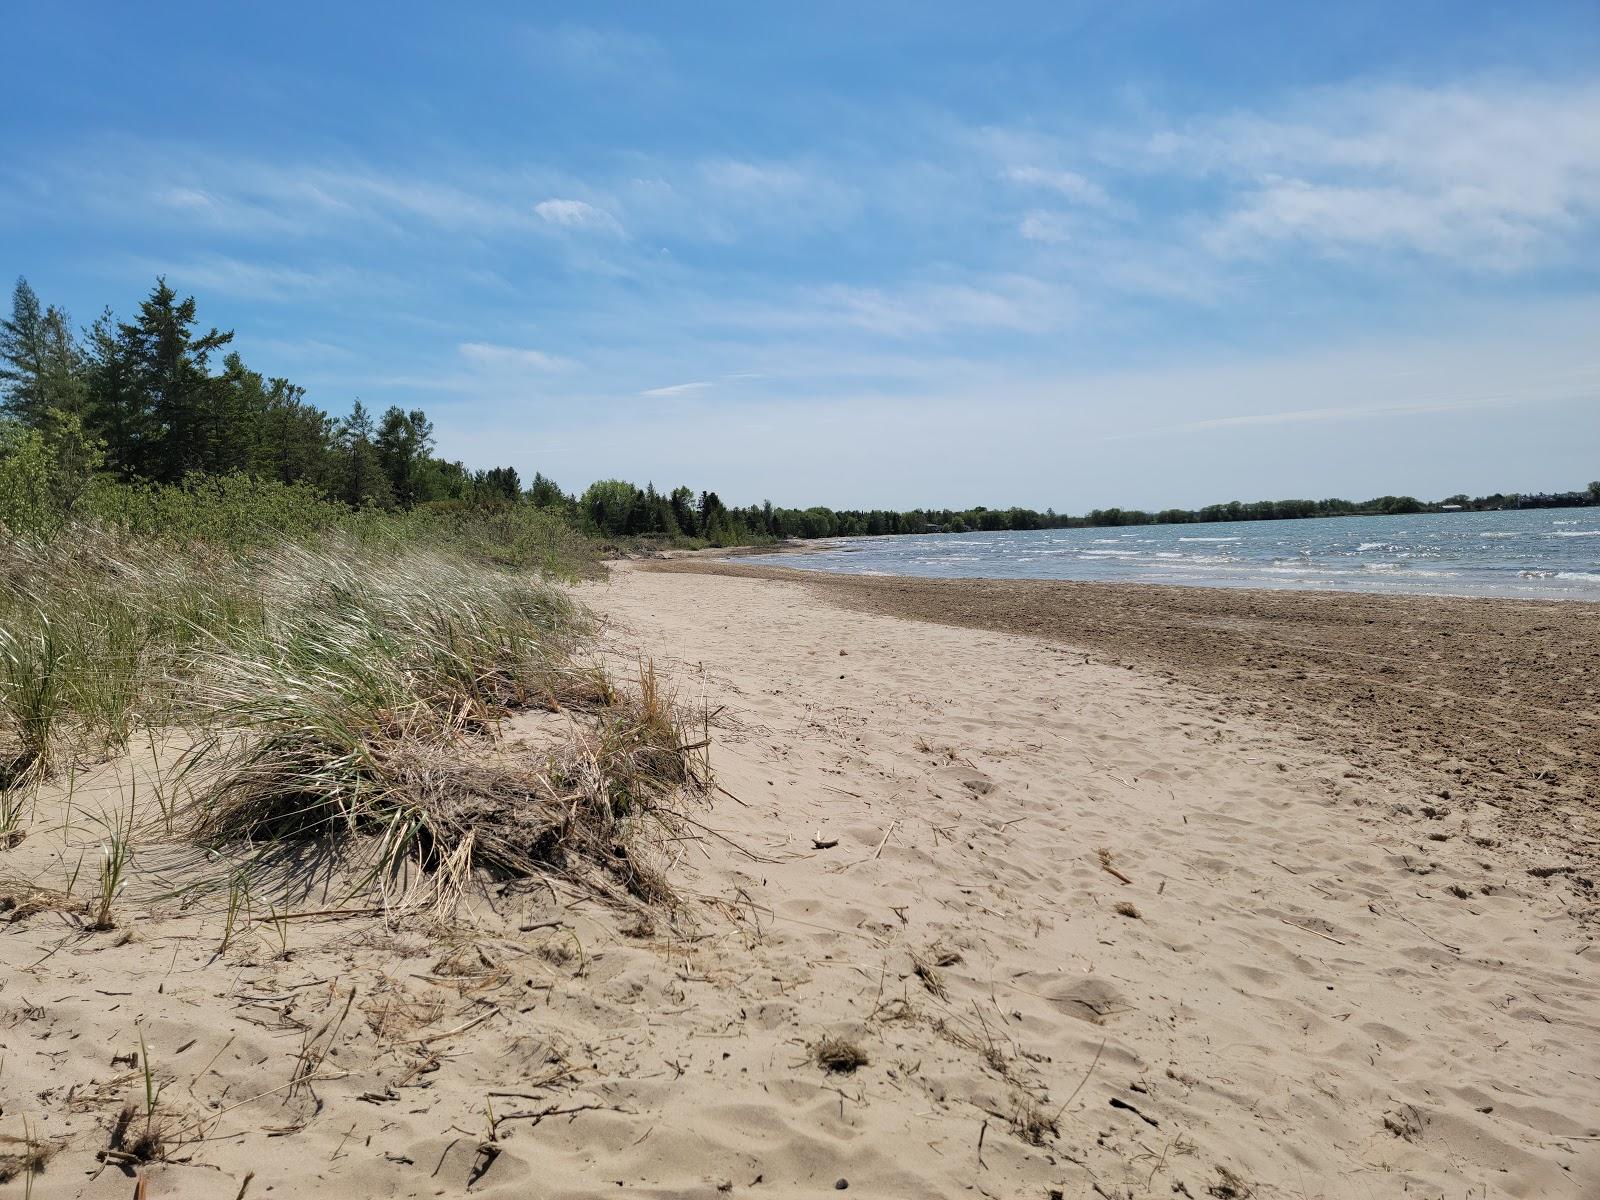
621,509
159,402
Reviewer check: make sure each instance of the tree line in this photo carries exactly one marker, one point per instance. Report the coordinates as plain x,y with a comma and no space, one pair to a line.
622,509
161,400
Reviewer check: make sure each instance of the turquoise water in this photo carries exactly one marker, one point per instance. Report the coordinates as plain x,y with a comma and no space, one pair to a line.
1548,553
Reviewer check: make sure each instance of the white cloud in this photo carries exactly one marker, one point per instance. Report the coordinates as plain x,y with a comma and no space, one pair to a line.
222,275
1016,302
1068,183
488,355
678,389
1042,226
1493,176
577,214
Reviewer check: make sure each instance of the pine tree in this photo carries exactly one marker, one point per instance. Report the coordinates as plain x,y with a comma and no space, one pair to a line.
405,443
41,367
172,371
543,492
297,437
362,479
117,410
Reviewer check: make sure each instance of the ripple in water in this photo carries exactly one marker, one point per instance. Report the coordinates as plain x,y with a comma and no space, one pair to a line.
1514,553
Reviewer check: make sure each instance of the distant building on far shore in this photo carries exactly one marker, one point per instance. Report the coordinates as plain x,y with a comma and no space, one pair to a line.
1449,508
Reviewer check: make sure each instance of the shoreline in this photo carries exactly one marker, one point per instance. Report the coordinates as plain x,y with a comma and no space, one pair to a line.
1486,699
1296,963
1075,923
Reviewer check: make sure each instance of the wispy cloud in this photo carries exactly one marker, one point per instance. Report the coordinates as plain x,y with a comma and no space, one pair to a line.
1303,416
1069,184
226,276
1018,303
679,389
1487,175
1040,225
577,214
486,354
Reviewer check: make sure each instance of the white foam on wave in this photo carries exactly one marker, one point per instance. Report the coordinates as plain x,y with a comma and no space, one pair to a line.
1306,571
1575,533
1372,546
1197,539
1497,534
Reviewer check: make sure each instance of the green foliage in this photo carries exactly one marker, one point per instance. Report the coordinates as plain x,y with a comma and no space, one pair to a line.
232,511
514,535
27,466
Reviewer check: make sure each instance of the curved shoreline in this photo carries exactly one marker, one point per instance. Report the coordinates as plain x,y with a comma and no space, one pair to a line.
1490,700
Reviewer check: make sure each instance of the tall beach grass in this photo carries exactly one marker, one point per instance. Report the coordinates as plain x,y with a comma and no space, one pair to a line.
339,678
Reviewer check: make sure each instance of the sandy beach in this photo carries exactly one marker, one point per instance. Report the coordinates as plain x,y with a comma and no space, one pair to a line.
1081,890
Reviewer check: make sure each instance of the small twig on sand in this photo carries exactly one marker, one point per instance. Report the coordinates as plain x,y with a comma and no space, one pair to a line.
330,913
439,1037
1104,854
887,834
1082,1081
1308,929
540,1114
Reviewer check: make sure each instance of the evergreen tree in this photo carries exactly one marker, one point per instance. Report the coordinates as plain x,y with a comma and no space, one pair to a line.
683,511
171,365
117,410
296,438
405,443
543,493
40,363
361,477
497,484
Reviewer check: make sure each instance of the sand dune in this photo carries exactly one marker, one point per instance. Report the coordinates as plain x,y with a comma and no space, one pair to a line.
1092,934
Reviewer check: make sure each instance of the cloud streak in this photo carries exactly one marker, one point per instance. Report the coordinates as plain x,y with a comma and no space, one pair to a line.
1491,176
486,354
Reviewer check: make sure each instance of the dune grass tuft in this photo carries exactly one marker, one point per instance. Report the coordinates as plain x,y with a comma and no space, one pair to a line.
341,691
839,1055
361,717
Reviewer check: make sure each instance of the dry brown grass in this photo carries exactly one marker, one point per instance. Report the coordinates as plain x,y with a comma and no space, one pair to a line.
1031,1122
839,1055
20,899
930,975
25,1157
428,799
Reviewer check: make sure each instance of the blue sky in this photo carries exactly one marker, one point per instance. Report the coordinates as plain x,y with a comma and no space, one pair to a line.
1063,254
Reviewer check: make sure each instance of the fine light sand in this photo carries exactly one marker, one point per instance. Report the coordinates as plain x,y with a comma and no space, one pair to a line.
1093,934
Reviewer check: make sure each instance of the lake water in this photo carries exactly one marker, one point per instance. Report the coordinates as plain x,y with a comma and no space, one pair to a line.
1548,553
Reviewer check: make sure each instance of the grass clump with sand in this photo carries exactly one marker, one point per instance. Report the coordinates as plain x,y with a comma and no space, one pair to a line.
340,686
839,1055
